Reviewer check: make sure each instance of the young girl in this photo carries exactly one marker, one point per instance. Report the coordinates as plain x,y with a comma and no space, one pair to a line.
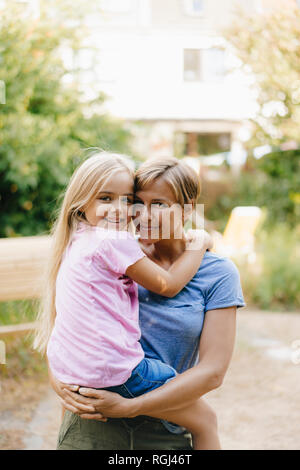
89,319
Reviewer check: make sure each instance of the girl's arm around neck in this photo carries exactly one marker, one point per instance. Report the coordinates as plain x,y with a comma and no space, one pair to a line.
169,283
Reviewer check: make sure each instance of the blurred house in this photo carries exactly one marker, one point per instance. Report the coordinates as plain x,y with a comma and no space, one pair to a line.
166,65
170,75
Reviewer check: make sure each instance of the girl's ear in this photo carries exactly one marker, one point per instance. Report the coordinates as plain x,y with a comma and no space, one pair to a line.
81,214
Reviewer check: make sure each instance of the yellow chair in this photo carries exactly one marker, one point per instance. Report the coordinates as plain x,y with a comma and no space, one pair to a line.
238,238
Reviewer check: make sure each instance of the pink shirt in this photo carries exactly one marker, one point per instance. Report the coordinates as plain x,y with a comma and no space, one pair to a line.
95,340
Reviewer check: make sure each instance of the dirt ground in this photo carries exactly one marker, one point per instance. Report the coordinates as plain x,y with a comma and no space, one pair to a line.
258,405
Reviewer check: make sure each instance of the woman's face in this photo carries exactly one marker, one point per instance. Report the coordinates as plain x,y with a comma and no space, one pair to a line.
158,215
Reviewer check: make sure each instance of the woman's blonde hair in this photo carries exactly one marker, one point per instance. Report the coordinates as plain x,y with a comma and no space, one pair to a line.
183,180
82,189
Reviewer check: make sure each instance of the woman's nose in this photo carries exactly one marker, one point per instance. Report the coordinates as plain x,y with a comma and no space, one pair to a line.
145,215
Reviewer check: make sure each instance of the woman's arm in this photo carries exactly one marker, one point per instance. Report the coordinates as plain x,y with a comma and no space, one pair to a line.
215,352
168,283
216,348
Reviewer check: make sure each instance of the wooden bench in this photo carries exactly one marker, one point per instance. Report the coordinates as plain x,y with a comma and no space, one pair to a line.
22,262
16,330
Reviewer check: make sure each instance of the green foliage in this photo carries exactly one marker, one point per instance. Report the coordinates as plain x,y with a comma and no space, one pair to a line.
21,359
269,48
45,123
18,311
281,193
272,183
273,280
245,189
22,362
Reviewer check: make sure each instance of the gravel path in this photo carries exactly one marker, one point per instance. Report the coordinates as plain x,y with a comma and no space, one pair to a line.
258,405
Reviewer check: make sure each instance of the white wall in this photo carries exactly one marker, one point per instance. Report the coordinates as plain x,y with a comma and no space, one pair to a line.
147,73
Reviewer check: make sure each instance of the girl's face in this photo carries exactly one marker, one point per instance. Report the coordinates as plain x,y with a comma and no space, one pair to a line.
159,214
111,208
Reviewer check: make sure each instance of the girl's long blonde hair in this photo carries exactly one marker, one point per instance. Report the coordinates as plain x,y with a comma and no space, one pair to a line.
82,189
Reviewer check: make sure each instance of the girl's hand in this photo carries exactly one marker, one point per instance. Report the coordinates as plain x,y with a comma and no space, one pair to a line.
104,404
198,239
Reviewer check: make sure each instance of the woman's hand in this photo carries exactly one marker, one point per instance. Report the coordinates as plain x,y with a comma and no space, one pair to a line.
98,404
66,392
198,239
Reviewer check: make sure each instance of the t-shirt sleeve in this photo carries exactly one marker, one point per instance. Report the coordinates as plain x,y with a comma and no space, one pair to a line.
225,288
118,253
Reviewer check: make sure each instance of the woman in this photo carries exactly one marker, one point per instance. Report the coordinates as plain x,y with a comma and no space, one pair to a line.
171,330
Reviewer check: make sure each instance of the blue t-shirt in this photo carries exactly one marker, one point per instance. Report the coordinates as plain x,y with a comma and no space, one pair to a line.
171,327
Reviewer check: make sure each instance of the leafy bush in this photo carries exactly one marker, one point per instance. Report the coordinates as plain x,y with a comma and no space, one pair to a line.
17,311
220,197
274,75
44,124
272,280
268,47
21,359
281,192
272,183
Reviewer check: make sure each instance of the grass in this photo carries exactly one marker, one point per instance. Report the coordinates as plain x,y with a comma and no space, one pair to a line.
17,311
21,360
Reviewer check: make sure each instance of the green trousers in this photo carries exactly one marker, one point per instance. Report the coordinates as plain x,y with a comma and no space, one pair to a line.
140,433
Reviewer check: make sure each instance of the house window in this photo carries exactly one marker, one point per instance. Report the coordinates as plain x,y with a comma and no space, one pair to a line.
194,7
116,6
204,65
206,143
192,65
213,64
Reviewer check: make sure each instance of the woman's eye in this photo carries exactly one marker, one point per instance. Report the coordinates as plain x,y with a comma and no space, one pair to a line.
160,204
137,202
104,198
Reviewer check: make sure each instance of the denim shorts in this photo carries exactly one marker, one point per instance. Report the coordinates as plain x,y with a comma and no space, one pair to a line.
146,376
